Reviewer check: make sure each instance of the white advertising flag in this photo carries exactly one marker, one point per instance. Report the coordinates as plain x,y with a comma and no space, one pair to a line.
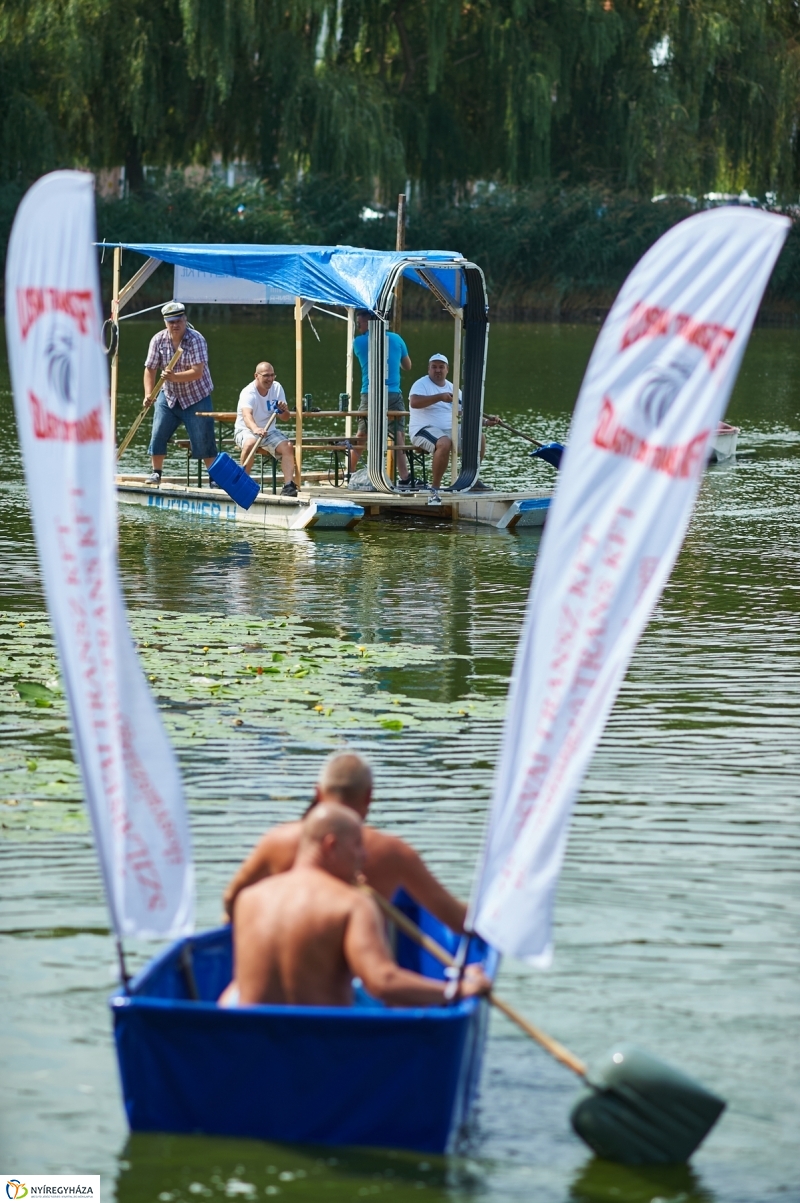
656,386
60,381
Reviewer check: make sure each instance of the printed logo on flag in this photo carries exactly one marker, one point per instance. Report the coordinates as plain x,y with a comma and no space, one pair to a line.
53,1186
61,323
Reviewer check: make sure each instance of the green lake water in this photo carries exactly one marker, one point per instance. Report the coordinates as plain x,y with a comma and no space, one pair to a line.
677,917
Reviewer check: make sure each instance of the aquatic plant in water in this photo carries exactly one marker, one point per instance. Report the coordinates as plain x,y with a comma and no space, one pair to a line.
213,677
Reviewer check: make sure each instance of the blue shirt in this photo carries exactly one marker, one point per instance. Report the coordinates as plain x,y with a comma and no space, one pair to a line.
397,350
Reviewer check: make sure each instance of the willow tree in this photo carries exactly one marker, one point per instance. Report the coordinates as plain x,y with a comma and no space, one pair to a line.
669,95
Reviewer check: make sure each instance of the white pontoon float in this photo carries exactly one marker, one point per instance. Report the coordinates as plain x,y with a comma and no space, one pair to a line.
337,281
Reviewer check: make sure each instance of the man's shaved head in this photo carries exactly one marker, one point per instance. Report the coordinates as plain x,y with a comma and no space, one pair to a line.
328,818
347,778
330,839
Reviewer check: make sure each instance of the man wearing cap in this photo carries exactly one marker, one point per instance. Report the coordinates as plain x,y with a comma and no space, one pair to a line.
186,391
396,358
430,427
259,399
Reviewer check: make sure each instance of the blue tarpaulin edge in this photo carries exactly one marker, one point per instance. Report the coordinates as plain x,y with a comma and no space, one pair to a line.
332,275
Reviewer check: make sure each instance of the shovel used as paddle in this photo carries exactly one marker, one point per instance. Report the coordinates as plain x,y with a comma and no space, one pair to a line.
636,1109
550,452
233,478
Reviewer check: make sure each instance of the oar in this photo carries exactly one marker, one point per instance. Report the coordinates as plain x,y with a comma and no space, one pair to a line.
137,421
637,1109
550,452
251,455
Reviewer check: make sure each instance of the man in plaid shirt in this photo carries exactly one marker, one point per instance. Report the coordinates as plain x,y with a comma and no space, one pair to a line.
186,391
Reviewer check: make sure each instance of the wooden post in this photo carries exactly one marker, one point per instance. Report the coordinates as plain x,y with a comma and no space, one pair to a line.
351,331
115,356
400,245
298,386
456,386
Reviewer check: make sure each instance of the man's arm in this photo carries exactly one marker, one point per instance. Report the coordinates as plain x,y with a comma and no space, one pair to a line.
149,382
422,401
186,376
406,364
249,420
417,879
368,957
258,865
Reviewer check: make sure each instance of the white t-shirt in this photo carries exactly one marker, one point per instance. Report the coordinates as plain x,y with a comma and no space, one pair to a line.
262,407
439,414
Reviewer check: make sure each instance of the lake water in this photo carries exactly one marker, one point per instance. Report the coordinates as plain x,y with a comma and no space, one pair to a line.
677,916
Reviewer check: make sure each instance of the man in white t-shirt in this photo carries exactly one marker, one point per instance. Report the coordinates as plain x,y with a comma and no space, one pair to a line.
265,396
430,423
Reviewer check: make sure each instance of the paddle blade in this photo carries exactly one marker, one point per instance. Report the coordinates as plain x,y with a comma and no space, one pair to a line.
230,476
550,452
641,1111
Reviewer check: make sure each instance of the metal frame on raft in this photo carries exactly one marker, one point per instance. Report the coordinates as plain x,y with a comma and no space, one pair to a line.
468,306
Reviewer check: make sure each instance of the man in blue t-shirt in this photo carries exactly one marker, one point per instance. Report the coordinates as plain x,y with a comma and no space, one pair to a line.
397,358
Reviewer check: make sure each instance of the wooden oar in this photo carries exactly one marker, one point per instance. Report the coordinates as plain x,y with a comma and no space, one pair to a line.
444,957
500,422
637,1109
252,452
137,421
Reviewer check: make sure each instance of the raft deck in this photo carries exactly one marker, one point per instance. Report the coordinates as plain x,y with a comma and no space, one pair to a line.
326,508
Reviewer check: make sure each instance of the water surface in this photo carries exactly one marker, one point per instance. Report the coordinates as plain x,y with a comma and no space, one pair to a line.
677,916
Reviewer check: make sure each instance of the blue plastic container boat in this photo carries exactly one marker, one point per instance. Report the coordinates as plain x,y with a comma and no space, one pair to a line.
362,1075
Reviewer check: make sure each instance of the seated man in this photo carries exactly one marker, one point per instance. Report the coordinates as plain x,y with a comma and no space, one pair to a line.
389,862
301,937
431,403
257,401
396,358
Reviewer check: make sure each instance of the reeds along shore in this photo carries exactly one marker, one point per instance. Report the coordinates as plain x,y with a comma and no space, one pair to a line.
549,254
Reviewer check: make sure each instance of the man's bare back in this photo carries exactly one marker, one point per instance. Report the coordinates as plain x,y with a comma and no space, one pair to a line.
300,936
389,862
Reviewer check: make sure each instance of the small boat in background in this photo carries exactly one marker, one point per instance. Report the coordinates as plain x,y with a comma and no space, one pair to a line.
724,443
399,1077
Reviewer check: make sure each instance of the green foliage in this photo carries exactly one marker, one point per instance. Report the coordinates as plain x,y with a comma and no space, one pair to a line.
647,95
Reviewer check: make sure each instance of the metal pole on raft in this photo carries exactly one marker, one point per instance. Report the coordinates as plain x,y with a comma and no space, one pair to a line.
351,331
400,245
115,356
298,384
456,385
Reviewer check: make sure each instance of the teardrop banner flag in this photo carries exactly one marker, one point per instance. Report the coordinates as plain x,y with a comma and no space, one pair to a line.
60,380
656,386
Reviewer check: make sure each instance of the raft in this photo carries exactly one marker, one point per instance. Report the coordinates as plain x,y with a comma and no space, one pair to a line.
400,1077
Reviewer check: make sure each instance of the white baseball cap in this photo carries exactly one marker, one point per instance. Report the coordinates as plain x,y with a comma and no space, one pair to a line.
438,357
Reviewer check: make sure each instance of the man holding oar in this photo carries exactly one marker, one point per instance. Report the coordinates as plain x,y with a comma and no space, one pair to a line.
302,936
186,392
257,400
389,862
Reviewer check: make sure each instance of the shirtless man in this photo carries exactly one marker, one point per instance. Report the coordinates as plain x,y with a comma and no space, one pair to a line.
300,937
388,861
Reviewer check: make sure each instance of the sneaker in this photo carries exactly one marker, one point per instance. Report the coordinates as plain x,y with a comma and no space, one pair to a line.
479,487
289,490
409,485
154,478
434,498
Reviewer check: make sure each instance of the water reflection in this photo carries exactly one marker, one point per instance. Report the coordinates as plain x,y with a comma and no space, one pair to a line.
675,926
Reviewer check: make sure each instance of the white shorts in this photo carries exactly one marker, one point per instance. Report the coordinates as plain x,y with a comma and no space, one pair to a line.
427,437
272,438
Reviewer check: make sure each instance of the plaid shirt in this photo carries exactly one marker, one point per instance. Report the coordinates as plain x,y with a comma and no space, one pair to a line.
195,351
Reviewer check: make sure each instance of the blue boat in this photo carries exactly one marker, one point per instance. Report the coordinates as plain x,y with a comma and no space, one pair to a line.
361,1075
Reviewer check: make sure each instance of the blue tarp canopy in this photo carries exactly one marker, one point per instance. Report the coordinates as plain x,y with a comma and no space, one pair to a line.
332,275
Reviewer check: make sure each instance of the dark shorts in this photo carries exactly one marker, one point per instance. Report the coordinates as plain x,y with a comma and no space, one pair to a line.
200,430
395,402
